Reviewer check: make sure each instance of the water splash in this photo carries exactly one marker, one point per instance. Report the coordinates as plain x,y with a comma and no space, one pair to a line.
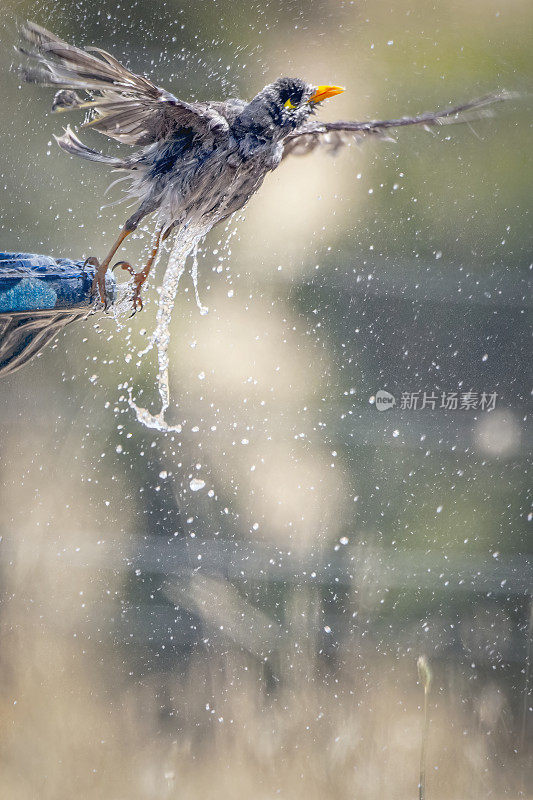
186,242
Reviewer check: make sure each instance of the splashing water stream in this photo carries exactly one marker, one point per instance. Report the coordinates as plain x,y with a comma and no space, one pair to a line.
185,243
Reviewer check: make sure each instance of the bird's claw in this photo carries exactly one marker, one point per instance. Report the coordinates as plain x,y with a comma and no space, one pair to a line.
125,265
137,299
98,280
138,280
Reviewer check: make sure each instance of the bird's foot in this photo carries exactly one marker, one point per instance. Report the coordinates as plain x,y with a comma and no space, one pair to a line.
138,280
99,278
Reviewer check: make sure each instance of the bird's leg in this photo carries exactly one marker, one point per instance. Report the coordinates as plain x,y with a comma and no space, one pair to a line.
101,268
140,277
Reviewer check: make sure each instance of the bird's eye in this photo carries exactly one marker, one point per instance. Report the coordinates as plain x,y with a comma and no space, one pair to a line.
292,102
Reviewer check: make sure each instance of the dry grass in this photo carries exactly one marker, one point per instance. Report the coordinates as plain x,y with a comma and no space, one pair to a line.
76,724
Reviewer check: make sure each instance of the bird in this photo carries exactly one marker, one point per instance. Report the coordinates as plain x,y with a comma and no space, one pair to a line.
195,163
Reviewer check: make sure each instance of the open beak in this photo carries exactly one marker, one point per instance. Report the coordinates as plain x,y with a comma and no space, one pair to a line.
323,92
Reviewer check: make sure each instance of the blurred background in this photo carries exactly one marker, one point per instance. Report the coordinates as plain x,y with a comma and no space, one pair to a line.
237,610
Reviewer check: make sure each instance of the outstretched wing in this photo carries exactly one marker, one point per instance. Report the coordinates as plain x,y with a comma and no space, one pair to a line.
128,107
334,135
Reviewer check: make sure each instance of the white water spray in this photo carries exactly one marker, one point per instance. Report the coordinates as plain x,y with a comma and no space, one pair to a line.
185,243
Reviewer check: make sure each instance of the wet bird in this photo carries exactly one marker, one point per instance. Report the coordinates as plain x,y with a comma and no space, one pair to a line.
195,163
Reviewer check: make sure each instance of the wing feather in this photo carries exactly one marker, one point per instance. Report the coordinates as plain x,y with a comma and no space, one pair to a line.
333,135
128,107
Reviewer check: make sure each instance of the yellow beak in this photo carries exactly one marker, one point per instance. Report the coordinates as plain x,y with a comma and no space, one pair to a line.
323,92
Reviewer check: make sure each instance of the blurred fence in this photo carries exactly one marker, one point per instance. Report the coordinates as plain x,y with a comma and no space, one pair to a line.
195,581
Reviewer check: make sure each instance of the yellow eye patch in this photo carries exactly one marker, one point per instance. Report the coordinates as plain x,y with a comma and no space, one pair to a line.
290,105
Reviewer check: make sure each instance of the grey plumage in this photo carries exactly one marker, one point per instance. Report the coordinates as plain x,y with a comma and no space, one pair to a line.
196,163
334,135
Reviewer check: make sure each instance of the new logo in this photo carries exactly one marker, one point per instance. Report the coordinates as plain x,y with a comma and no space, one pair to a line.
384,400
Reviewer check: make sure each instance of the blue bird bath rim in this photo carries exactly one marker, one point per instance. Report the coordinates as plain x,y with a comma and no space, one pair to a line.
39,295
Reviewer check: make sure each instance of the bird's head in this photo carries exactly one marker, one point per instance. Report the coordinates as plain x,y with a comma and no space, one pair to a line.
284,105
292,100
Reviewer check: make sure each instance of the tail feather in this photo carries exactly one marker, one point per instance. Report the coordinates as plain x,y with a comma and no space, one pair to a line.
71,144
